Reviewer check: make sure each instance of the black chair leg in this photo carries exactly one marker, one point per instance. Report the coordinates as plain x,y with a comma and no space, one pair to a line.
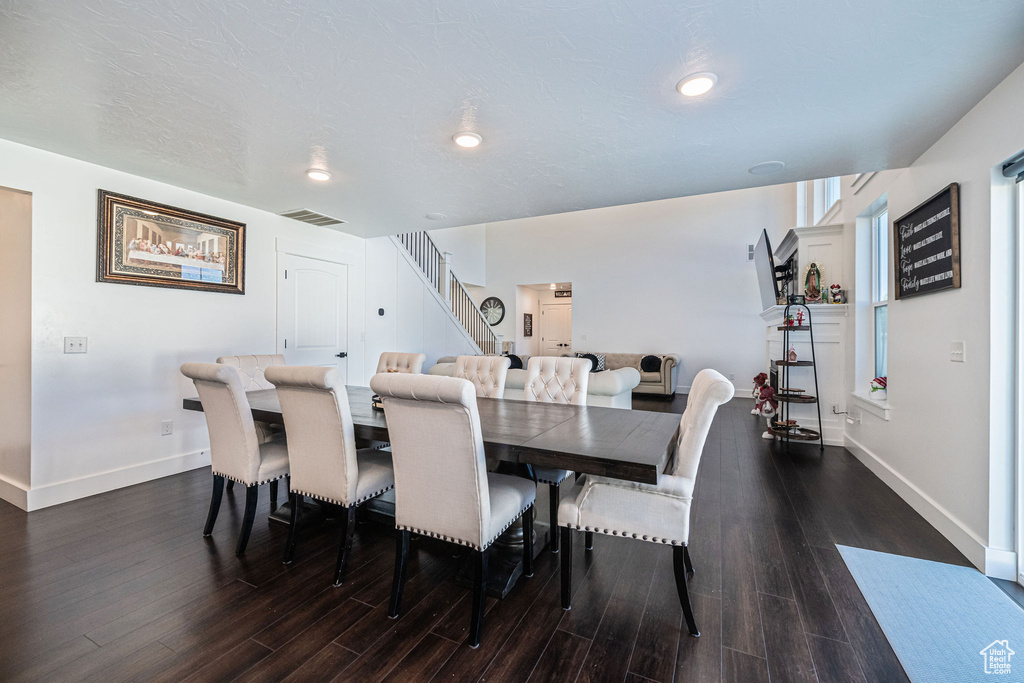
231,484
553,498
679,565
252,494
528,541
348,530
589,538
273,495
218,491
566,534
293,529
476,623
686,559
401,554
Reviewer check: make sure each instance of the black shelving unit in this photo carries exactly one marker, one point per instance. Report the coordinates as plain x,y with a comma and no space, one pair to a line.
780,425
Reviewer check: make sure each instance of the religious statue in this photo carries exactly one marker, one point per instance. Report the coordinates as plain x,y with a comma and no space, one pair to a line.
813,278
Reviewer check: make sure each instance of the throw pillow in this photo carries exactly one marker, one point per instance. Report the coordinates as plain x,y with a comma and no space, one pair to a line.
517,362
596,361
650,364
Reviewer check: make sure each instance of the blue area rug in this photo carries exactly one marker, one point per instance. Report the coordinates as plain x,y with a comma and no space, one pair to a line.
947,624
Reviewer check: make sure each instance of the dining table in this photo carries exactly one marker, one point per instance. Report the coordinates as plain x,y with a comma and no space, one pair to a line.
631,445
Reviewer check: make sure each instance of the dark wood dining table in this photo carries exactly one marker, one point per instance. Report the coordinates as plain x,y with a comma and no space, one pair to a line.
633,445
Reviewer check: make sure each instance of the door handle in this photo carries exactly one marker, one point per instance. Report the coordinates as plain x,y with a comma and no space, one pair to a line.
341,355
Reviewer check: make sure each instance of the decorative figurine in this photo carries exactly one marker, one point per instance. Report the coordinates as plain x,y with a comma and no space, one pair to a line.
759,381
766,405
879,388
792,353
835,294
800,318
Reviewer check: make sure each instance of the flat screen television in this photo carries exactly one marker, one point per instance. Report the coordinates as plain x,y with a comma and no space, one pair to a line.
764,262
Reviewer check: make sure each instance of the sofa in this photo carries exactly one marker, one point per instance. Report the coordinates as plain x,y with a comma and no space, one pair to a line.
661,383
609,389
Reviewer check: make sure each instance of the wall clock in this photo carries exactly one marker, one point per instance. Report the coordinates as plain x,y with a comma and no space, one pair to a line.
493,310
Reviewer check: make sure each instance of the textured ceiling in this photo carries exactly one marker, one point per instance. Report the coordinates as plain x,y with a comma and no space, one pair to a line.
575,100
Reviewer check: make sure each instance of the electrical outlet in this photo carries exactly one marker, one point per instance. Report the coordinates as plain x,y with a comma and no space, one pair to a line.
732,376
957,352
76,344
583,337
166,427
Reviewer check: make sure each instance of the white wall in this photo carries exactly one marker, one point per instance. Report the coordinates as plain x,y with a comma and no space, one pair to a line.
414,319
96,417
670,276
468,247
15,344
947,448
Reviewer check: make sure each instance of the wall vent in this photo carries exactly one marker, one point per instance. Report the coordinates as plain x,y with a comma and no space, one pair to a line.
312,217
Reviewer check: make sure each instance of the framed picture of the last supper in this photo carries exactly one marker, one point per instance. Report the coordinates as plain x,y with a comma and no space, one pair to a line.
144,243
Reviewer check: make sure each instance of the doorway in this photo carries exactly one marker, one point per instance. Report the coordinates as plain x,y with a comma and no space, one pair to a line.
312,312
555,329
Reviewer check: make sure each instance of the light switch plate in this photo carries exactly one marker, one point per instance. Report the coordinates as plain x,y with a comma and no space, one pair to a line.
76,344
957,352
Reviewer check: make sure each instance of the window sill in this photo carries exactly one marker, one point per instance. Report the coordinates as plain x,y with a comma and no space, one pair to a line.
879,409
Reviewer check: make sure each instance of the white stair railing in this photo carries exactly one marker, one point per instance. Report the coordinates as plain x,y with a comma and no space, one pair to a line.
436,266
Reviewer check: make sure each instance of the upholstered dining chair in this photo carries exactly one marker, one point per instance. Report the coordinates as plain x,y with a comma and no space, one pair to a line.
657,513
442,486
324,462
487,373
235,451
251,369
391,361
556,380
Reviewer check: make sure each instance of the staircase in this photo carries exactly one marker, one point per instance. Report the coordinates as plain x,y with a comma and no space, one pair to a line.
437,270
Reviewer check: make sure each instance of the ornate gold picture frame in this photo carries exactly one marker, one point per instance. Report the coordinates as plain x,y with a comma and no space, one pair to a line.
144,243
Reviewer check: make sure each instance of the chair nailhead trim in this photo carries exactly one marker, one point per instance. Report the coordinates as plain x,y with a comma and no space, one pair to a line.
343,504
613,532
259,483
459,541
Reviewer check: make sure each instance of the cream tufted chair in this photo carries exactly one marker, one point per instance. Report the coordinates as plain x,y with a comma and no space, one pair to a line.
325,464
556,380
252,372
411,363
658,513
235,451
442,486
487,373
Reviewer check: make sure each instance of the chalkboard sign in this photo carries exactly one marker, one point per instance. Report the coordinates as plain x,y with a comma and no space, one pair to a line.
527,324
927,245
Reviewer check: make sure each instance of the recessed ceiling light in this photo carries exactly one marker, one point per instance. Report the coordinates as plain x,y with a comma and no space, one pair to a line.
553,286
697,84
766,168
467,139
318,174
435,216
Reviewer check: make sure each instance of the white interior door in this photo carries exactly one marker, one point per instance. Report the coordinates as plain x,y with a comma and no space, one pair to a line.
312,312
555,329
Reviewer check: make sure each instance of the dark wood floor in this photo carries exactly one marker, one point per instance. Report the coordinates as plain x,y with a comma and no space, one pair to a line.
122,586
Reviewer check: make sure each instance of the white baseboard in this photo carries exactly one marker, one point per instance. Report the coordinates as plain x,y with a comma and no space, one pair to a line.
1001,564
73,489
13,492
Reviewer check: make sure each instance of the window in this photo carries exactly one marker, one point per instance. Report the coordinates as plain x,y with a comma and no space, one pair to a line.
880,289
831,193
